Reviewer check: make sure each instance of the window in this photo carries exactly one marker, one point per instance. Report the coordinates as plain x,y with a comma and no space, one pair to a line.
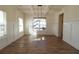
39,24
20,24
2,23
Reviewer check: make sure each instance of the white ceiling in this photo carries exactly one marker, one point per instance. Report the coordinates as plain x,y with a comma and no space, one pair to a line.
39,10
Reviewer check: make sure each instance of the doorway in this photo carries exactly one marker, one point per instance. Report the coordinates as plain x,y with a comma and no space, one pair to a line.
60,29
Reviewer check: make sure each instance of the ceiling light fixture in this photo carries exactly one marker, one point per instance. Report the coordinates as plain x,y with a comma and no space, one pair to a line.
39,11
39,5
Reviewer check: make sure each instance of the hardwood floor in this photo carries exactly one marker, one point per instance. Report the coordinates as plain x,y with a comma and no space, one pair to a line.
39,45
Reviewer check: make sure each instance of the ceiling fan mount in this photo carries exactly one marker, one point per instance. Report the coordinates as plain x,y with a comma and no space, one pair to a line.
39,5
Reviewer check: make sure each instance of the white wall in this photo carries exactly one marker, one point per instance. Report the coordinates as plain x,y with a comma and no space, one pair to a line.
71,25
27,22
52,23
12,25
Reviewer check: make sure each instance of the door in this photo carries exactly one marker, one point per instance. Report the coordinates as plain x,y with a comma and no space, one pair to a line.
60,32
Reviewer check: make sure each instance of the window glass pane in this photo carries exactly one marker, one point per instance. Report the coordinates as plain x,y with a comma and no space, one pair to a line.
35,23
36,26
41,29
2,23
20,24
5,23
1,18
39,24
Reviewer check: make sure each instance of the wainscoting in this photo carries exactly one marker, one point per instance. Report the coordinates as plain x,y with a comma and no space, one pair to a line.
71,33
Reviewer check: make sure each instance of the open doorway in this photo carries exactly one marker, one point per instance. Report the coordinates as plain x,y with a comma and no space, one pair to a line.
60,29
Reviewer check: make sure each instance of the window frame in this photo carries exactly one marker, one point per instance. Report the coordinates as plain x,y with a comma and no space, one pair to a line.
4,33
39,29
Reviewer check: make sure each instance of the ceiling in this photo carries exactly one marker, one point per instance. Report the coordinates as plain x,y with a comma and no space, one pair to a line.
40,11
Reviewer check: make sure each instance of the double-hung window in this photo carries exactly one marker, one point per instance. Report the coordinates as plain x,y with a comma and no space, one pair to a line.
20,25
39,24
2,23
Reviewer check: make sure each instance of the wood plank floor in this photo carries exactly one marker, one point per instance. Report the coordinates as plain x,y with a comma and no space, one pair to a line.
39,45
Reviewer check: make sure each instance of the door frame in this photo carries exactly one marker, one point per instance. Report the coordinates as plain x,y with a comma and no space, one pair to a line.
60,26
